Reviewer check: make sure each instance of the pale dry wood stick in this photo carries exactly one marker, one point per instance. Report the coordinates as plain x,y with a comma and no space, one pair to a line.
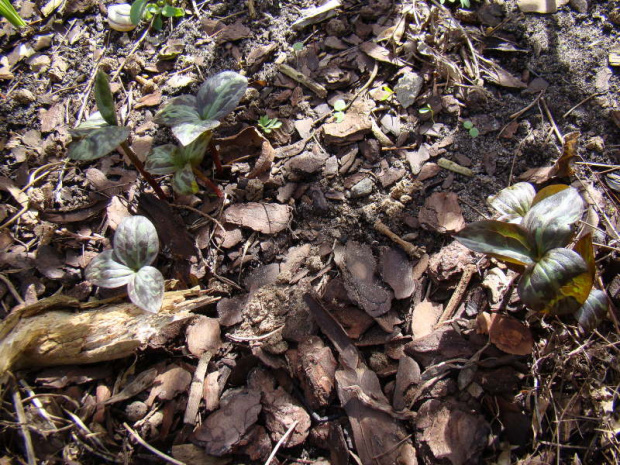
195,390
23,426
280,442
295,75
552,121
457,295
411,250
158,453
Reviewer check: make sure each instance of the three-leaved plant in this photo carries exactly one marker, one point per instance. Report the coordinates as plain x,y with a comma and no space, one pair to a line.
100,134
193,119
136,246
533,232
154,12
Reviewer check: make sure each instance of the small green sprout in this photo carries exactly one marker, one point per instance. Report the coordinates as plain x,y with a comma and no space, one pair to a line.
339,107
473,131
427,109
388,93
268,124
8,11
136,246
298,46
464,3
154,12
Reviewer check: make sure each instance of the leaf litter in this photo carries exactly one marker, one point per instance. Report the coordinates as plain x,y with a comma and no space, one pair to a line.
394,358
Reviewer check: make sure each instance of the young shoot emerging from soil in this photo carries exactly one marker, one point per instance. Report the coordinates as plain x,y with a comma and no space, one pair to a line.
136,246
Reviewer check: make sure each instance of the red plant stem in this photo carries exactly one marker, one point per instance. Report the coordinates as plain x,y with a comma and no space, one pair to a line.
140,167
215,155
208,182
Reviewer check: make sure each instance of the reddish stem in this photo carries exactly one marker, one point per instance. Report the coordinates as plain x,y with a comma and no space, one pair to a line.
140,167
208,182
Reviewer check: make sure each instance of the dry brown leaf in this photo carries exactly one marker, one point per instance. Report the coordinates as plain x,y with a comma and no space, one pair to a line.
397,271
150,100
380,53
562,168
169,384
425,316
223,429
267,218
203,335
503,78
442,213
248,143
506,332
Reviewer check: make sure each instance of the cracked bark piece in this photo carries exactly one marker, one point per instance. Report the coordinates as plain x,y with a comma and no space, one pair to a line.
169,384
223,429
448,432
506,332
358,266
440,345
281,410
317,371
407,376
267,218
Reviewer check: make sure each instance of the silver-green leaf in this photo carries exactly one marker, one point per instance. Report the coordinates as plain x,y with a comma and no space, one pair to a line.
94,121
105,271
146,289
97,143
164,159
513,202
550,221
179,110
104,98
135,242
188,132
559,283
592,312
220,94
184,181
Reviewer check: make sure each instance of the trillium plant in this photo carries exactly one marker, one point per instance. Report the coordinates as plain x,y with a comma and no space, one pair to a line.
532,233
100,134
193,119
136,246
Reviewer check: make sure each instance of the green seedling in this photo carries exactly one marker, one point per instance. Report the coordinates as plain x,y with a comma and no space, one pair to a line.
154,12
388,93
136,246
427,109
8,11
193,119
268,124
473,131
464,3
532,233
298,46
100,134
339,107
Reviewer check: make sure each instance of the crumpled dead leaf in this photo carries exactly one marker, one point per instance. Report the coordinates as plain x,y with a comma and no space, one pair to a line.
267,218
169,384
248,143
562,168
506,332
442,213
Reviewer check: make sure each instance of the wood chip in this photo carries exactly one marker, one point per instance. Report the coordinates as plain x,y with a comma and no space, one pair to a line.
268,218
442,213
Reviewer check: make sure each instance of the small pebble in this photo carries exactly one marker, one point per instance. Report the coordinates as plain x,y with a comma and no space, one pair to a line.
24,96
362,188
136,411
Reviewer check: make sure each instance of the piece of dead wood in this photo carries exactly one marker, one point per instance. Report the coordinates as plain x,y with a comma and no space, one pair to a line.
506,332
314,86
397,271
51,333
442,213
269,218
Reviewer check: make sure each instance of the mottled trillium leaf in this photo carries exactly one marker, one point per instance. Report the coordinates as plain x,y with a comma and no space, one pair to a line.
190,131
184,181
104,98
220,94
550,220
94,121
592,312
163,160
513,202
506,241
97,143
105,271
195,152
146,289
135,242
548,192
559,283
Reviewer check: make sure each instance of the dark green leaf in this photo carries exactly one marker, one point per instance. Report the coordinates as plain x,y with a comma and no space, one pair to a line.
592,312
158,23
135,242
94,121
548,192
557,284
97,143
137,11
104,271
550,221
146,289
468,124
189,132
184,181
179,110
513,202
104,98
220,94
506,241
164,159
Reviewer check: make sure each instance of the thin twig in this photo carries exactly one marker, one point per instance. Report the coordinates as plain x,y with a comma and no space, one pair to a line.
159,453
262,337
199,212
133,50
458,294
581,103
195,390
281,441
411,250
11,288
550,116
23,425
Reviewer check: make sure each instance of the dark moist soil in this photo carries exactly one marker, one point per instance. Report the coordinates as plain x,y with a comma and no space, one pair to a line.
474,403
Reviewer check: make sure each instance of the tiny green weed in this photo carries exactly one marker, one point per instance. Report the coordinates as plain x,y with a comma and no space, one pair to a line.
268,124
